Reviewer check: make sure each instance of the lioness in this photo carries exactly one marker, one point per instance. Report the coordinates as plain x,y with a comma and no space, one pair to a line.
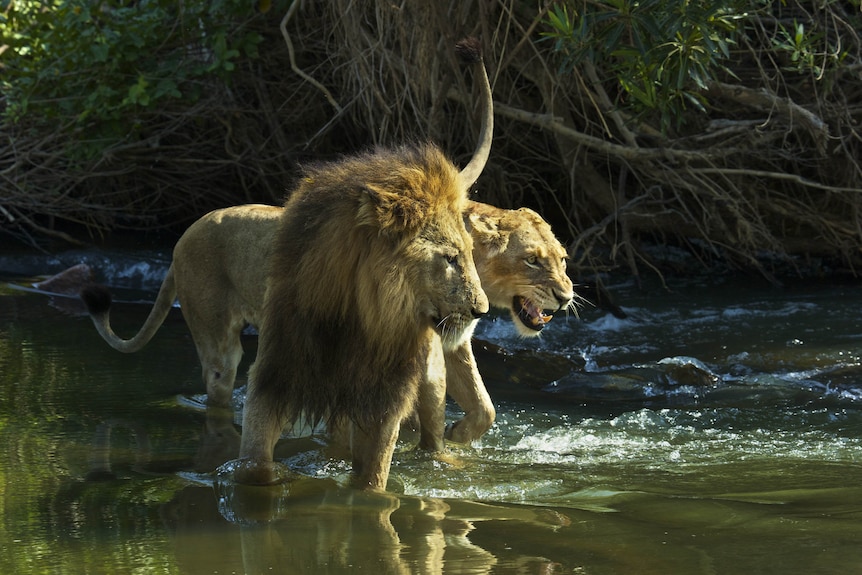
218,274
219,269
522,267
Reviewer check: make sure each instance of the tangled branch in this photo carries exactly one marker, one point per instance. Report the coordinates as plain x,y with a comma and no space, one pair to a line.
768,160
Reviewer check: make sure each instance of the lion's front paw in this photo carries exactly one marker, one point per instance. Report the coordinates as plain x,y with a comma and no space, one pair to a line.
254,472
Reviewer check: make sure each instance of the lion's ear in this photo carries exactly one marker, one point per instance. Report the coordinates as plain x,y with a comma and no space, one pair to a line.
485,231
389,212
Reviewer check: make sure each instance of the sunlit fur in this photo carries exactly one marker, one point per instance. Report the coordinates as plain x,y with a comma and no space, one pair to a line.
371,265
218,273
219,276
517,254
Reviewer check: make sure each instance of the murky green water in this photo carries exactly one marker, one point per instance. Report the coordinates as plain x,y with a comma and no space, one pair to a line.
717,429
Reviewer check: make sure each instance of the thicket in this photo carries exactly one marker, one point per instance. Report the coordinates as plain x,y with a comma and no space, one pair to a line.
730,128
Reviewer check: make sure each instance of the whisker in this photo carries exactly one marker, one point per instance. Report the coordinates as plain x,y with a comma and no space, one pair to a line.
572,308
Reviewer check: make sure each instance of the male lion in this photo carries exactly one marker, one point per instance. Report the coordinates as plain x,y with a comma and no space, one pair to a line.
218,274
371,277
371,273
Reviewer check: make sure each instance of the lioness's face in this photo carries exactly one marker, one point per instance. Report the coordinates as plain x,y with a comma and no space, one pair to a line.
528,275
450,293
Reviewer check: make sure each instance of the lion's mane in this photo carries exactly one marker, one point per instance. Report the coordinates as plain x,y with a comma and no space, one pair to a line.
342,293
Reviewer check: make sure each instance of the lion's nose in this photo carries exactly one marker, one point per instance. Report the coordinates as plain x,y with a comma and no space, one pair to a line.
478,313
563,299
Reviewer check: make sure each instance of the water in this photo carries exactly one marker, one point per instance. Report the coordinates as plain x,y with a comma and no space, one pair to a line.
716,429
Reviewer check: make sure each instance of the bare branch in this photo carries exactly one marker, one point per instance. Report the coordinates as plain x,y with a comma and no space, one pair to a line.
763,100
292,56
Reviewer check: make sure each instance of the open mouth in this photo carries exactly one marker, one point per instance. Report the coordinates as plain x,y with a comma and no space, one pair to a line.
531,316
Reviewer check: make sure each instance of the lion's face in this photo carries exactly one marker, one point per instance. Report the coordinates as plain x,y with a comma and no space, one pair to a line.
447,283
522,265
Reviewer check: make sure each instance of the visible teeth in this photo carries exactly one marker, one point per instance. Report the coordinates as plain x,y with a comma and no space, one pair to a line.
530,314
541,319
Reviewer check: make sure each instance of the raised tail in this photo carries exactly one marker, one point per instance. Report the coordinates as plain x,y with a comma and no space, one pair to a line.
470,50
97,298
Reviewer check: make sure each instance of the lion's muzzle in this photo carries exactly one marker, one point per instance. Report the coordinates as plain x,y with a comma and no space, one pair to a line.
531,315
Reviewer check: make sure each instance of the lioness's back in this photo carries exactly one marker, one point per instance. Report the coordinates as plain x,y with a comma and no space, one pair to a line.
225,254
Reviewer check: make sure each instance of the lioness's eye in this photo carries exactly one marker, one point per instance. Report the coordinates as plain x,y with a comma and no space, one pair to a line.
531,261
451,258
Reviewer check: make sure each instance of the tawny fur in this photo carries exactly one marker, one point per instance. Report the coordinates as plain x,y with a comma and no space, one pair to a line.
517,257
409,228
371,269
219,276
218,273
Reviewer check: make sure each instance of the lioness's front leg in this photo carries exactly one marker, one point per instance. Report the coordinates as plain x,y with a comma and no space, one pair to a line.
465,385
431,405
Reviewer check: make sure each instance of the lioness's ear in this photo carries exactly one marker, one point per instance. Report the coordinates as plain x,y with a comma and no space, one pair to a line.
486,232
387,211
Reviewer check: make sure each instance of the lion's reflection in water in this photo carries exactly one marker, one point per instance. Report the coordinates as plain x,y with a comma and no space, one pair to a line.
308,525
316,526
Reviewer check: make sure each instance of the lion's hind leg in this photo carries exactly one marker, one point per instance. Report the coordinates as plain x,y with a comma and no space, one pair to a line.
219,364
216,328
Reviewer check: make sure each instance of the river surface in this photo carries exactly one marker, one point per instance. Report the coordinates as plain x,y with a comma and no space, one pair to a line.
715,429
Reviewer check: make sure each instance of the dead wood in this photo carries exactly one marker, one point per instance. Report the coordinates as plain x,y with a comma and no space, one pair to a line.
771,166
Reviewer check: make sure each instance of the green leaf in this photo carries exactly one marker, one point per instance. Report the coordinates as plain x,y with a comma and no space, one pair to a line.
100,52
138,93
166,87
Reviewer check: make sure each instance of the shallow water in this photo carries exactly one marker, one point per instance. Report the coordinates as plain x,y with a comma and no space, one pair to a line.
716,429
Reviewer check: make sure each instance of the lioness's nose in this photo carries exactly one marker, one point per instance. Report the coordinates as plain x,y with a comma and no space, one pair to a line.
478,313
563,299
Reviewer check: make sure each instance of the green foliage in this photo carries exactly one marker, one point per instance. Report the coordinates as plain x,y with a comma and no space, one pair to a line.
99,63
662,52
808,50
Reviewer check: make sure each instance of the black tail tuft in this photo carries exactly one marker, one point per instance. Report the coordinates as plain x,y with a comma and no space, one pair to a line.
469,50
97,298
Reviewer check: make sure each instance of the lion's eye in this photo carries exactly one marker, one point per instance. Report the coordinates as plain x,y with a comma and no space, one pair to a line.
531,261
452,259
